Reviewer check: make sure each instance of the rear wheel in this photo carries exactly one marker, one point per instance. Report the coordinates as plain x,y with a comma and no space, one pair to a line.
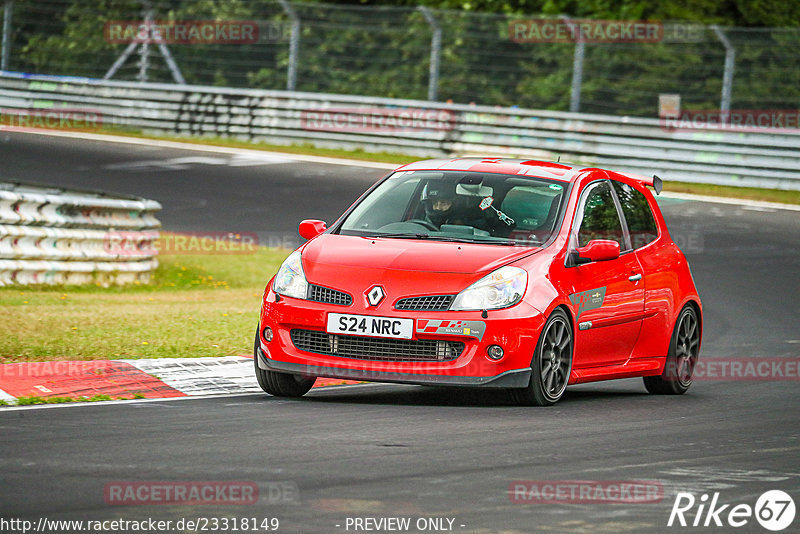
684,349
551,365
280,384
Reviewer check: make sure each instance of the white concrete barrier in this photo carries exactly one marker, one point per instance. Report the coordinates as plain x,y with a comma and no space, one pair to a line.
54,236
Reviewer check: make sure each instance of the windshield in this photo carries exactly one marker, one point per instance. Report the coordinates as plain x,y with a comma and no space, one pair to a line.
459,206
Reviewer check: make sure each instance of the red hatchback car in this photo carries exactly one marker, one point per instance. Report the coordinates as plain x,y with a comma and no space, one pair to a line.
486,272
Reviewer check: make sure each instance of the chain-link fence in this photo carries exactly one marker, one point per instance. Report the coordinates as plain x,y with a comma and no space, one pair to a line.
615,67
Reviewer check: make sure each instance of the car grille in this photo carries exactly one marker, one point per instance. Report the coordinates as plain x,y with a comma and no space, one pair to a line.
428,303
328,296
377,349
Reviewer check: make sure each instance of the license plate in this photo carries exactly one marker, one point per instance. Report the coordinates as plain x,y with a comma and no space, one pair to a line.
368,325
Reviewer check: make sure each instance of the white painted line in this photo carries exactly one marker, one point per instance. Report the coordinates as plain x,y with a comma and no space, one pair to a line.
202,376
183,163
6,397
115,402
4,409
216,149
756,204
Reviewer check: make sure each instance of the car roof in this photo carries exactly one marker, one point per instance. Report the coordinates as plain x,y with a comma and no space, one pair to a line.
556,171
563,172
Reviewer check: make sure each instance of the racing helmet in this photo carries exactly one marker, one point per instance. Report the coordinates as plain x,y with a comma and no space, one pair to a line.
439,201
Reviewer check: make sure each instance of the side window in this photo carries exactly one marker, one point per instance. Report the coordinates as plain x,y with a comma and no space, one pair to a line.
600,217
641,223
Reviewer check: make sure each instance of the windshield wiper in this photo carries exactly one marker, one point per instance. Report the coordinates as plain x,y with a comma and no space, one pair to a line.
448,239
420,235
402,235
505,243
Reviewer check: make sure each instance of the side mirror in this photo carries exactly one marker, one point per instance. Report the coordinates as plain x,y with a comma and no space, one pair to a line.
596,250
311,228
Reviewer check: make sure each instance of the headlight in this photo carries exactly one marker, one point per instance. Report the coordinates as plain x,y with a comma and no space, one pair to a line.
499,289
291,280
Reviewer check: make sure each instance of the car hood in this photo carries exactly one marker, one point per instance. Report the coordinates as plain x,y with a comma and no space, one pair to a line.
408,255
403,267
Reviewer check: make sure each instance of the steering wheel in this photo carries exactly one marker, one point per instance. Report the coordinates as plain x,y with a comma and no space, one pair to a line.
427,224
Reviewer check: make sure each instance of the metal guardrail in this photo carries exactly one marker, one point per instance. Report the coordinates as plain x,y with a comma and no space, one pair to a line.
765,159
50,235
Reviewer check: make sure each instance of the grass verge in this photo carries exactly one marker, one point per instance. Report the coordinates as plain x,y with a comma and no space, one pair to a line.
306,149
28,401
749,193
203,305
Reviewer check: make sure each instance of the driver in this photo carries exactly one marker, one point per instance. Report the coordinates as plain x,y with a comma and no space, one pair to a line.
439,200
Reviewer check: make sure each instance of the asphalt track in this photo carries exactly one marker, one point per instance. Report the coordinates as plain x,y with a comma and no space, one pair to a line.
404,451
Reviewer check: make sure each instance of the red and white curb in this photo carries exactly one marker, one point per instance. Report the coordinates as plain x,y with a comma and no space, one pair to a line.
202,376
126,379
6,397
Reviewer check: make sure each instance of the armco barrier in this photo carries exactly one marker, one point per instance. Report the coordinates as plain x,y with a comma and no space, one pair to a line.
53,236
761,158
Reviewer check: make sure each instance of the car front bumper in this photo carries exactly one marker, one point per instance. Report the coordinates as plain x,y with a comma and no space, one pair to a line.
515,329
518,378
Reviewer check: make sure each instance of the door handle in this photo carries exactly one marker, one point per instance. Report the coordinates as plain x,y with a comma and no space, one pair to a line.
635,277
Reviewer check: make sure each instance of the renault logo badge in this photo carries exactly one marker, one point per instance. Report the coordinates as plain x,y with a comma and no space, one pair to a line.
375,295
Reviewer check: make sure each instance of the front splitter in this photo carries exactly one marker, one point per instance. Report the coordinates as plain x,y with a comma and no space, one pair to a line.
515,378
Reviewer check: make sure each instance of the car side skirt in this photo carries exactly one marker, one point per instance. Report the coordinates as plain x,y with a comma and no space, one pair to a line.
517,378
631,369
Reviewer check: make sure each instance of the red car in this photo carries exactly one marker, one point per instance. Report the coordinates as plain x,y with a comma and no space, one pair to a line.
497,273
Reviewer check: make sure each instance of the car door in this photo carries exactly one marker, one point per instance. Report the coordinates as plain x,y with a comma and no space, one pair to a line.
607,296
659,264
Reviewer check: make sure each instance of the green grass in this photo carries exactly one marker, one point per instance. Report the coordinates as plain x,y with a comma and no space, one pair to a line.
196,306
750,193
28,401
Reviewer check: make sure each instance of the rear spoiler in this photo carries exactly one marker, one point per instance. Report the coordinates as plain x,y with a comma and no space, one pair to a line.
654,182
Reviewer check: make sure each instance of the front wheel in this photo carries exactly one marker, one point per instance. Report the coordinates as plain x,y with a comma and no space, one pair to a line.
684,348
280,384
551,365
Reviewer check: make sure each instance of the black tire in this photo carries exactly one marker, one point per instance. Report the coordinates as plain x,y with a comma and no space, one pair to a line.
551,364
684,349
280,384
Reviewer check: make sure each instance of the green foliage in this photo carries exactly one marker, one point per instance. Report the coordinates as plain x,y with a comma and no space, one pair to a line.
754,13
73,40
382,48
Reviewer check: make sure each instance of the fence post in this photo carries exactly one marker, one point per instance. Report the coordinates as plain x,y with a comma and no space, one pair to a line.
577,68
294,45
436,52
144,48
727,75
6,51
